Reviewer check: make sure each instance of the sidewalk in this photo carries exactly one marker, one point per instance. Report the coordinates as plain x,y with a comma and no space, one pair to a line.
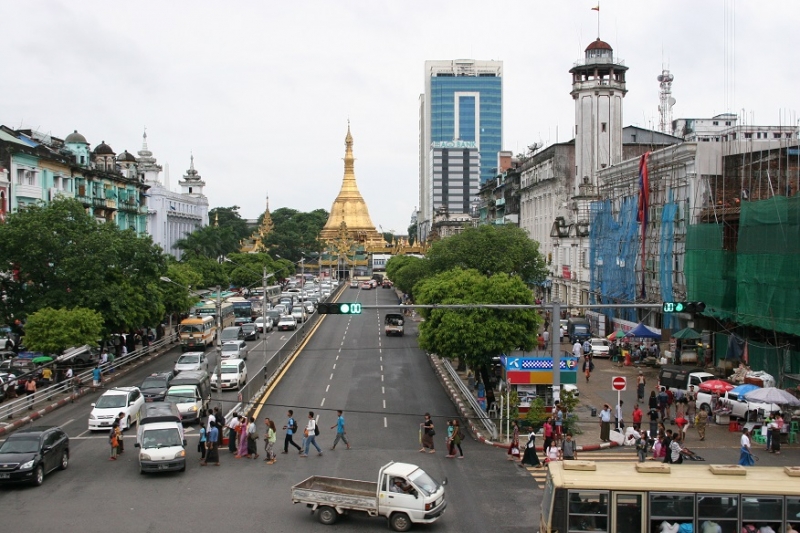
593,395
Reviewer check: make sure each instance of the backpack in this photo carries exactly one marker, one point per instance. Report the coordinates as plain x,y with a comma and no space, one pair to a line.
293,425
316,429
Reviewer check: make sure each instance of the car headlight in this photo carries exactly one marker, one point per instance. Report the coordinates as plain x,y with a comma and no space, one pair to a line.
180,454
193,408
144,457
28,465
92,417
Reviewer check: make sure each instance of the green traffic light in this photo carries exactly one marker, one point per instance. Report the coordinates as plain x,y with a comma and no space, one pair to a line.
679,307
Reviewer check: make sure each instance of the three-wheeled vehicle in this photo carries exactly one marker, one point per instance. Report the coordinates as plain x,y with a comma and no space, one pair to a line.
393,324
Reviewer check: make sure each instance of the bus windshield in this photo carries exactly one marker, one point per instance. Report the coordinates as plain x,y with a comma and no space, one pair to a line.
191,328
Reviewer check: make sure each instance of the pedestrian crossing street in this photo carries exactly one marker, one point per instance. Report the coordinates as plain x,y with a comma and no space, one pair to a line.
540,474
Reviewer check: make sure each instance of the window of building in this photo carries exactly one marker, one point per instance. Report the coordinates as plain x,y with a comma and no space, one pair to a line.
776,135
748,135
716,123
603,127
727,122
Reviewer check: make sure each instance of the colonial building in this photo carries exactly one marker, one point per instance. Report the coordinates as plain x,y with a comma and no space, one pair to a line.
39,167
172,215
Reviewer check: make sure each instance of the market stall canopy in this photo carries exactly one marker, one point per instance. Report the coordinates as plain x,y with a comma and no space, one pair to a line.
772,395
42,359
616,335
716,385
742,390
643,332
686,333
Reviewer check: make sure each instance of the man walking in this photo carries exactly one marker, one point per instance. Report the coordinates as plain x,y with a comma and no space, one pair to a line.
232,425
212,446
120,443
97,377
702,421
640,383
546,338
290,427
569,449
311,435
339,431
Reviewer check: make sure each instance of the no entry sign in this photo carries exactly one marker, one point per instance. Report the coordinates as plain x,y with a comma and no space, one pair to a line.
619,383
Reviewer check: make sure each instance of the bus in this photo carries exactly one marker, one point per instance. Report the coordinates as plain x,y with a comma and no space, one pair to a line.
652,497
197,331
273,293
242,308
209,308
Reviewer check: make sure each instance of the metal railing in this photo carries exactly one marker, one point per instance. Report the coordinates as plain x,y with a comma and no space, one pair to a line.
473,402
21,406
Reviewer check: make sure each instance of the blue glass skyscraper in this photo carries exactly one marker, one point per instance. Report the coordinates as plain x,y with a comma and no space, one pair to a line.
462,105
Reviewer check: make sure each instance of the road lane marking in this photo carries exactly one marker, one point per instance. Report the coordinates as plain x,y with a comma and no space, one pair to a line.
381,377
328,387
384,404
337,357
383,390
381,368
331,376
334,366
322,403
385,424
71,420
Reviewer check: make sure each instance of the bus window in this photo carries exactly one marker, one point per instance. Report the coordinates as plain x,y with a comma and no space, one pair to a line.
722,510
672,508
588,510
628,512
760,511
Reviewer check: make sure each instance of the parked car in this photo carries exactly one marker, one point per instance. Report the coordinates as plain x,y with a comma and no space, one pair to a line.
154,387
126,400
233,373
234,350
191,361
251,330
28,454
600,347
287,322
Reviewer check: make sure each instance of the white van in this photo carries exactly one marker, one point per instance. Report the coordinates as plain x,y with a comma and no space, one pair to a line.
162,447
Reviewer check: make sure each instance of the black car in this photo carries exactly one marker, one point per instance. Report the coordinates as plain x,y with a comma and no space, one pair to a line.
250,331
154,387
29,454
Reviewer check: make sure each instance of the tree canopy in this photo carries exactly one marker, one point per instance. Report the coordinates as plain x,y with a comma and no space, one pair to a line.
295,233
476,335
229,218
405,271
52,331
490,250
58,256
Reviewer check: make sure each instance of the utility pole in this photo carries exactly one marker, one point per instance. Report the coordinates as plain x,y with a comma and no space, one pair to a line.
555,318
264,317
218,340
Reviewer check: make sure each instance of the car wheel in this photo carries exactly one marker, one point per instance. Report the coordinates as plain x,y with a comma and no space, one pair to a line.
400,522
327,515
38,476
64,460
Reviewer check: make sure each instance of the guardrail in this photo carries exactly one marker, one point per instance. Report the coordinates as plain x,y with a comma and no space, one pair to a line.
266,374
473,402
22,405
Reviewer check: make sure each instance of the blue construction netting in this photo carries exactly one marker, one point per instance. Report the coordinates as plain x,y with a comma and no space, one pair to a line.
613,247
666,256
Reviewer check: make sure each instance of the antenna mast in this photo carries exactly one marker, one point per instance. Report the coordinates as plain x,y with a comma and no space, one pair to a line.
666,101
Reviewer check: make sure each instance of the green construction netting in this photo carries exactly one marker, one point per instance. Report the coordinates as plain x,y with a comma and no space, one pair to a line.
759,284
777,362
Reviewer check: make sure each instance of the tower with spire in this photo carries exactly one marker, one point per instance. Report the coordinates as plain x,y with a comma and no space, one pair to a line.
148,168
598,87
192,184
349,207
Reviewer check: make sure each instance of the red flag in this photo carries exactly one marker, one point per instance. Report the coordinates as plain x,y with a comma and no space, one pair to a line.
644,208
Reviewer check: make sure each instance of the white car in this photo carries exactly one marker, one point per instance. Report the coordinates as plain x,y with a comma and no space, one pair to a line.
299,314
233,372
264,324
600,347
287,322
234,350
191,361
125,400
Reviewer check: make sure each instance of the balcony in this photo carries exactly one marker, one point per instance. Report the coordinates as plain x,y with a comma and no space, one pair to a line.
27,191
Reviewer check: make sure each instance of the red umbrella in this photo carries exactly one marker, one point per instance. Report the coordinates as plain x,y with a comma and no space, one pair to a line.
716,385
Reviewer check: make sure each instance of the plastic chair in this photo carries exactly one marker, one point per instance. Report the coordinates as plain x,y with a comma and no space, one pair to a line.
794,427
758,438
793,437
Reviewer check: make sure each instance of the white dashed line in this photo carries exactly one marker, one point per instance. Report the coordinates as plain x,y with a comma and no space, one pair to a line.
381,377
383,390
384,404
334,366
322,403
384,422
328,387
331,376
381,368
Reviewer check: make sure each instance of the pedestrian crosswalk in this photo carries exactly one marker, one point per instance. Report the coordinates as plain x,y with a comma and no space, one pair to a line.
626,455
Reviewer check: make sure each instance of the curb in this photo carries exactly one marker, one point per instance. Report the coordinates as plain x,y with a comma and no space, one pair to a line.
35,415
467,414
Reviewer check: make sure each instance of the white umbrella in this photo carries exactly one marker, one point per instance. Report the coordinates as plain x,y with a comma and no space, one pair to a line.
772,395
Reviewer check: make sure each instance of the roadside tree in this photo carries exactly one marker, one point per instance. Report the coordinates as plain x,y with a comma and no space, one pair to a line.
406,271
52,331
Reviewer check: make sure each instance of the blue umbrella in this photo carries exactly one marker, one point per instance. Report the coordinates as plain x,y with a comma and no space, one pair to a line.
741,390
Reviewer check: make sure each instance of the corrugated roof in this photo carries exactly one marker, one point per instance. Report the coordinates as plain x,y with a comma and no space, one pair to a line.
10,138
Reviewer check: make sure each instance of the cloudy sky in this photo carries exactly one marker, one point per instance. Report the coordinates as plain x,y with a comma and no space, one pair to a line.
261,91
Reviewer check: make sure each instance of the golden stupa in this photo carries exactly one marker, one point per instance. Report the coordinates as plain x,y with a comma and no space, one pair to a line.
349,209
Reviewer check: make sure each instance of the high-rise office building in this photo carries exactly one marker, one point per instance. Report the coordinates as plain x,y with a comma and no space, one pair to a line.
460,134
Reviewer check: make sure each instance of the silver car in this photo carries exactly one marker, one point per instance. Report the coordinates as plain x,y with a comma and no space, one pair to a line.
191,361
234,350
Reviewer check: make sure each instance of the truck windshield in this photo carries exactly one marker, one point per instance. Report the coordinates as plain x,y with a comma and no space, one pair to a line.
161,438
181,397
423,482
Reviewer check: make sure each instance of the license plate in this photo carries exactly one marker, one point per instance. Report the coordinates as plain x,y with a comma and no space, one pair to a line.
5,476
162,467
105,423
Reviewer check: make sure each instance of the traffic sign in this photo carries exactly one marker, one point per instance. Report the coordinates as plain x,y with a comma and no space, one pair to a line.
619,383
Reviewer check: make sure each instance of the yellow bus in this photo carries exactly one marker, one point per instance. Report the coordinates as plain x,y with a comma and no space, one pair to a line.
618,497
197,332
209,308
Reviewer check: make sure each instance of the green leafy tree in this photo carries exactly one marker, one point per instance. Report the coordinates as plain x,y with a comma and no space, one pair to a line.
230,219
211,272
490,250
295,233
58,256
178,296
209,242
406,271
477,335
52,331
412,234
246,270
537,413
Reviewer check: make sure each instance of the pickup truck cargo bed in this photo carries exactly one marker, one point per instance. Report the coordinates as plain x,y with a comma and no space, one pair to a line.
350,493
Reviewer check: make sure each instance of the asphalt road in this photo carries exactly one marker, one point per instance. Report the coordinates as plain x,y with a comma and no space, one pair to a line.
384,385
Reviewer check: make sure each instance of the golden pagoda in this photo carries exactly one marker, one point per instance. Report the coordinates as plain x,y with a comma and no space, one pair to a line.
349,209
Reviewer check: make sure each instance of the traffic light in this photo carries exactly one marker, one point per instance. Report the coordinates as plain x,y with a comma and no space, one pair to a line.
683,307
339,309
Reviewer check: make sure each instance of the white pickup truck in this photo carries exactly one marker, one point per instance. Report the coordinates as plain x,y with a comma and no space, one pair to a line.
404,494
739,407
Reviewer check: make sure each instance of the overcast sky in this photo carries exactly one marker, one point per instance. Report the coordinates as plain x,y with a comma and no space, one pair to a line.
261,91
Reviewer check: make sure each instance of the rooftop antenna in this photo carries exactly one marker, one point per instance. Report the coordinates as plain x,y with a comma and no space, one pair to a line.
597,8
666,101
